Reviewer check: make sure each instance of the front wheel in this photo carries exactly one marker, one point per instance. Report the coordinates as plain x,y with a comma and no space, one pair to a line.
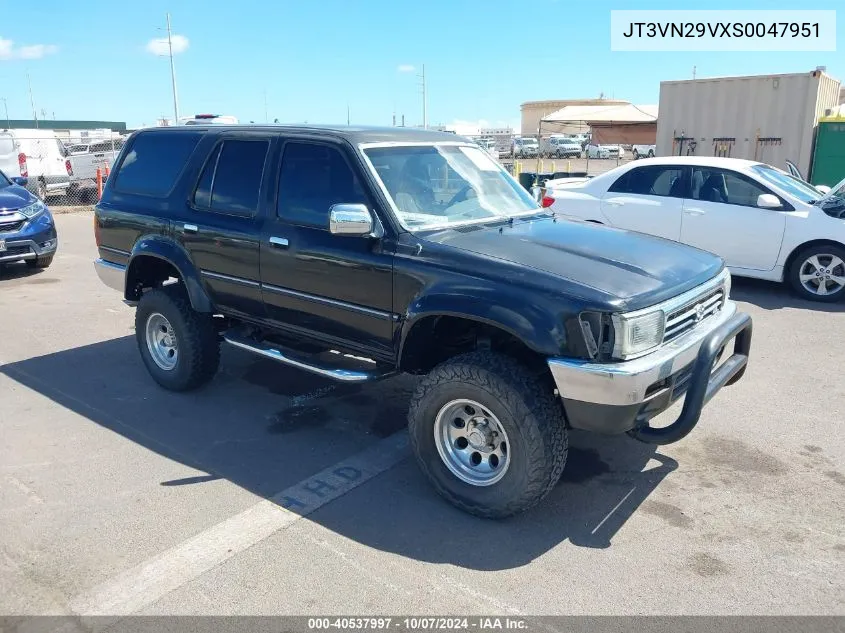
488,435
180,347
818,273
636,155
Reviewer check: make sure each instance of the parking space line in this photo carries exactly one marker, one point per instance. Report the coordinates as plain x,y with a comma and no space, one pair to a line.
144,584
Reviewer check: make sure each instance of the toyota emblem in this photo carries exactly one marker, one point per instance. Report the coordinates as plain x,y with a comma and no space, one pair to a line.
699,312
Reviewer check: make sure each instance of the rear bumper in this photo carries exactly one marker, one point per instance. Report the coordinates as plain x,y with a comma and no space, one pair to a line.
622,397
111,274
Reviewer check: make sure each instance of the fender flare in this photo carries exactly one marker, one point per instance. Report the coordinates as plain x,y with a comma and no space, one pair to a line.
532,325
174,254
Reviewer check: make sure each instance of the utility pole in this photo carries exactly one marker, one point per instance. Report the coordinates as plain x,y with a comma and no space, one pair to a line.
172,73
693,73
424,101
6,106
347,114
32,101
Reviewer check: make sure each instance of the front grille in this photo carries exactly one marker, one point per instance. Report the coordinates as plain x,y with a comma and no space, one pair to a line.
686,317
8,227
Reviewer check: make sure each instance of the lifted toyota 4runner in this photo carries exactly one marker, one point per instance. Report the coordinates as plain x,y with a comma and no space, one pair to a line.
418,253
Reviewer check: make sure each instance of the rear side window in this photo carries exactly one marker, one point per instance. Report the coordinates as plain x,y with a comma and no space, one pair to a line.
313,178
7,145
154,162
231,179
654,180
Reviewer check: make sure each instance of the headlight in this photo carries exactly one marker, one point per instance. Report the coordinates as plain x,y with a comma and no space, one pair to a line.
635,334
34,209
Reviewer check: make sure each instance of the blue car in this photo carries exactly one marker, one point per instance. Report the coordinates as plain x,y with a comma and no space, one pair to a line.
27,230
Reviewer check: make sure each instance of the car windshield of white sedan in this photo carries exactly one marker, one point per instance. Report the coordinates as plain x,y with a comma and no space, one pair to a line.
790,184
434,185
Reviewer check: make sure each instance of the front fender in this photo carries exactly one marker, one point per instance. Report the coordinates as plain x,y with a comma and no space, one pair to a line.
535,324
174,254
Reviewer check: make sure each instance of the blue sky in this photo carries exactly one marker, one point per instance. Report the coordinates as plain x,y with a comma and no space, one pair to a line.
90,60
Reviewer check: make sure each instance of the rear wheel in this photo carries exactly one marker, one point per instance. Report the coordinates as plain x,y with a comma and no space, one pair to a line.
179,346
488,435
651,153
636,154
818,273
41,189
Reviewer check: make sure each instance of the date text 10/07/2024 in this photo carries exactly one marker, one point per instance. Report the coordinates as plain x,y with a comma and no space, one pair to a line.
418,624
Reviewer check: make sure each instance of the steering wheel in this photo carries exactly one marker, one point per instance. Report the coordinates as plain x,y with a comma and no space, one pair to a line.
460,196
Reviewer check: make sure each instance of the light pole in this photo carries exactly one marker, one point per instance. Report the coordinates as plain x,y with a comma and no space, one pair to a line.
6,107
424,101
172,73
32,101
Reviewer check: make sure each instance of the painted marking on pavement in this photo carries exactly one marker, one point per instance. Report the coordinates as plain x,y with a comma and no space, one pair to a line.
136,588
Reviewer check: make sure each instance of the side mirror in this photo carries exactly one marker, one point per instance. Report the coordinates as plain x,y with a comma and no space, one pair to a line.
19,180
768,201
350,219
824,189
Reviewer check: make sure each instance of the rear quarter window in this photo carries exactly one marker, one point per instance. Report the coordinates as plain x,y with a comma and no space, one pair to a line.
7,144
154,162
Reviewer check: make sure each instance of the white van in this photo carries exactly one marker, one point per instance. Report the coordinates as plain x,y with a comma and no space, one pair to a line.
37,155
209,119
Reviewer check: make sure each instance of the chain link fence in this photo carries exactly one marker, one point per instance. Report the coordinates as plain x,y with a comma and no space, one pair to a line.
67,174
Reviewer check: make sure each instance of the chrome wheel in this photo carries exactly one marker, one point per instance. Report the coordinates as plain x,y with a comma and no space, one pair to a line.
161,341
471,442
822,274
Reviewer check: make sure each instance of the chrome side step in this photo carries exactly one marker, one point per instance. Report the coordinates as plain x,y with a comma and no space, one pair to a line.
263,349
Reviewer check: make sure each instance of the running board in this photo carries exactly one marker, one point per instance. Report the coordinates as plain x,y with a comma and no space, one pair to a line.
287,358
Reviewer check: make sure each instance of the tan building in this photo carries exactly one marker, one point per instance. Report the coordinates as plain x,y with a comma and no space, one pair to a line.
533,111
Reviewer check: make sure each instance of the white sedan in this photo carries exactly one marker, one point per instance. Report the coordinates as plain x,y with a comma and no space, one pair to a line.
605,151
762,221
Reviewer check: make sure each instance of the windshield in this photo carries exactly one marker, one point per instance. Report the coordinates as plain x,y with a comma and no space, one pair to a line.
790,184
528,141
436,185
4,182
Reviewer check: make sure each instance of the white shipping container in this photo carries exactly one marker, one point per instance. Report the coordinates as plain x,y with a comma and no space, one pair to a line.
769,118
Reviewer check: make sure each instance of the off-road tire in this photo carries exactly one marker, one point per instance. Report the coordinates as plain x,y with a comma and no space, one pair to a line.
43,261
197,339
526,407
794,272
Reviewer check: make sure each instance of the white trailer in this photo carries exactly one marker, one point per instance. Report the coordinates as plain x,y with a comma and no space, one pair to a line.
770,118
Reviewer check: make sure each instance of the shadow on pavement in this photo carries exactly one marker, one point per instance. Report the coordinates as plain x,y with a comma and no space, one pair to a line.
774,296
265,427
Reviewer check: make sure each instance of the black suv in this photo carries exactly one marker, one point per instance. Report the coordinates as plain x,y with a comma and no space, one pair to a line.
414,251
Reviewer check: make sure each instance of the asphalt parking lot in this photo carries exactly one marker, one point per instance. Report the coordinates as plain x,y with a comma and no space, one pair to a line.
117,497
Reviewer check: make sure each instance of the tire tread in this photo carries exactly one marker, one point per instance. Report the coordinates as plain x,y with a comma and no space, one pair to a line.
545,436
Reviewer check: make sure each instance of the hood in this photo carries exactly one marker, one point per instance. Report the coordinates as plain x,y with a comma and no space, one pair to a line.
630,270
15,197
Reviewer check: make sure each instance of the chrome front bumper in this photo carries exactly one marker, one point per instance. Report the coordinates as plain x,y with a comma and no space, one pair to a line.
623,397
111,274
626,383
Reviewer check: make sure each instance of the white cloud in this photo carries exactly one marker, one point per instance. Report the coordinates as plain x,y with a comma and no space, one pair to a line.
158,46
405,68
32,51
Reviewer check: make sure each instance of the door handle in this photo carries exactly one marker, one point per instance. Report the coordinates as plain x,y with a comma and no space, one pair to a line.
694,211
280,242
190,228
614,203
